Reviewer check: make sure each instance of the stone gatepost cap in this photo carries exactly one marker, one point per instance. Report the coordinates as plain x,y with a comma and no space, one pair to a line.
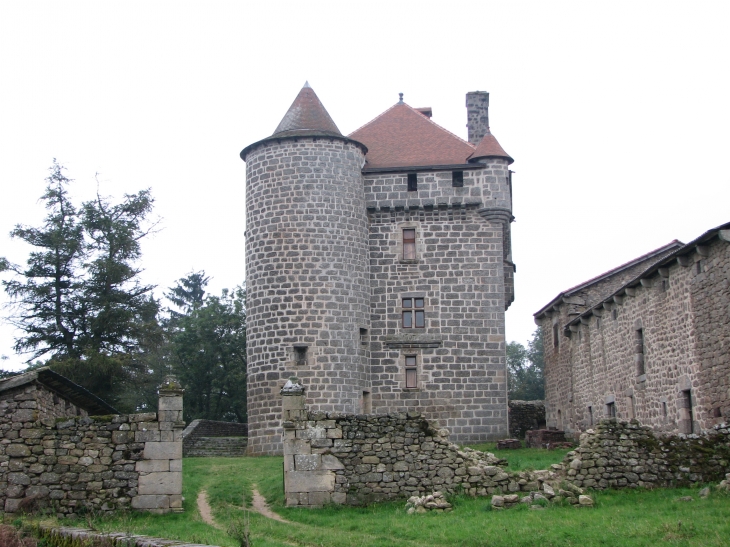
293,387
170,385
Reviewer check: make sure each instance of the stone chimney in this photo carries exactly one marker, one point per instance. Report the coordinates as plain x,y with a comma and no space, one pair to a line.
477,115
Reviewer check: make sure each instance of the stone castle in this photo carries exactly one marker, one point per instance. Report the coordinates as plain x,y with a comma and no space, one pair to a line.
379,269
648,340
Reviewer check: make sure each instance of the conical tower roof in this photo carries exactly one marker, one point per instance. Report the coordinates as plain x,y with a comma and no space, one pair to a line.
307,116
488,147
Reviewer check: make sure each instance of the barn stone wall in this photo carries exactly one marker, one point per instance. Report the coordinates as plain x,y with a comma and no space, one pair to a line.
524,416
101,463
657,353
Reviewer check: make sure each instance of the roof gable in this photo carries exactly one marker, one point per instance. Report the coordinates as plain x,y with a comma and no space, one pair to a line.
404,137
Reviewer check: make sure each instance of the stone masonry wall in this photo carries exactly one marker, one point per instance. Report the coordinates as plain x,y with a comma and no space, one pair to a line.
101,463
524,416
619,454
460,354
307,278
677,381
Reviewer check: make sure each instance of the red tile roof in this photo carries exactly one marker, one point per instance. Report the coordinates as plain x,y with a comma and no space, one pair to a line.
488,147
307,116
403,137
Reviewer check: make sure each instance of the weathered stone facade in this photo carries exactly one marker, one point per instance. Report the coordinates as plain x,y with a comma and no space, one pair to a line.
328,276
655,347
52,454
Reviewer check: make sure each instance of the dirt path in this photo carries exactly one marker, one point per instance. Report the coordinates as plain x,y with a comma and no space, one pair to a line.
258,504
205,512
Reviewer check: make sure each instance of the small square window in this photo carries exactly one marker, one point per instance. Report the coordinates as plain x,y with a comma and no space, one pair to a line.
457,179
413,313
409,244
412,182
411,372
300,355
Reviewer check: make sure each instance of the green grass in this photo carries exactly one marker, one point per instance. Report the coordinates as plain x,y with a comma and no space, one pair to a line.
625,518
525,458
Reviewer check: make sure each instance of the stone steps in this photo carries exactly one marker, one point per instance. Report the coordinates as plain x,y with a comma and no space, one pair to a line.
206,447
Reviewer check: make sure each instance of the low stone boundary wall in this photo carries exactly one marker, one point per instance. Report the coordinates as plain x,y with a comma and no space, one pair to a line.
208,438
118,539
545,438
620,454
99,463
524,416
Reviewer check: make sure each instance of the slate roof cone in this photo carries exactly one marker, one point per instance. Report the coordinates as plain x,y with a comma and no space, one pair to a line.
488,147
307,116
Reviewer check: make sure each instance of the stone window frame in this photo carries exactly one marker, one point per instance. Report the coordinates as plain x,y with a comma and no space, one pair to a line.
409,365
398,236
412,182
414,309
611,410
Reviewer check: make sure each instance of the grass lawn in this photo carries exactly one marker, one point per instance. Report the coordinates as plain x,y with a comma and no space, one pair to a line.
620,518
525,458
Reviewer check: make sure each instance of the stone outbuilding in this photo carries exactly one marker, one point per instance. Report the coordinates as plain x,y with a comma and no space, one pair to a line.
379,268
648,340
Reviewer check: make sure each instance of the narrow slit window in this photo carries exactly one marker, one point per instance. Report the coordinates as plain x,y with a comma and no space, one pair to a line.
411,372
409,244
590,415
363,336
556,335
413,313
300,354
699,266
457,179
412,182
640,365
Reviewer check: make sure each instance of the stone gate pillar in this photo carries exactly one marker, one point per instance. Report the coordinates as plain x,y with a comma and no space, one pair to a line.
160,472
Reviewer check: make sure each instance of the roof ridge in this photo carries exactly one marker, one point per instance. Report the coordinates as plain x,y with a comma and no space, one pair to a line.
633,262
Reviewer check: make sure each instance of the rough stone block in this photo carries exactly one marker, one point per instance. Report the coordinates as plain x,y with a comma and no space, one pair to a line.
160,483
150,502
17,451
152,466
175,465
170,403
307,462
162,451
309,481
331,462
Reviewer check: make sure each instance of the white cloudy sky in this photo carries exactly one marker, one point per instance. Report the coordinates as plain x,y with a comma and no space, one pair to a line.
617,114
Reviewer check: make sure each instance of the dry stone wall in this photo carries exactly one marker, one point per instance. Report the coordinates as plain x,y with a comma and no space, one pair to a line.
524,416
619,454
101,463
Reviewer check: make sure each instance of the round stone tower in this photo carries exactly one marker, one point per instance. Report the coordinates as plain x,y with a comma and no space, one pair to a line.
307,269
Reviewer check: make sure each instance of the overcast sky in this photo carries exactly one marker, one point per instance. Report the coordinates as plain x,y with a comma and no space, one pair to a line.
617,115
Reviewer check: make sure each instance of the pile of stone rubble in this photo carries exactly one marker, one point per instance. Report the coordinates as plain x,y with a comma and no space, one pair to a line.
539,499
424,504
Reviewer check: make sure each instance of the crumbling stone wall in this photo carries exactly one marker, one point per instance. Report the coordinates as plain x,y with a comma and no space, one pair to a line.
356,459
618,454
104,463
524,416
